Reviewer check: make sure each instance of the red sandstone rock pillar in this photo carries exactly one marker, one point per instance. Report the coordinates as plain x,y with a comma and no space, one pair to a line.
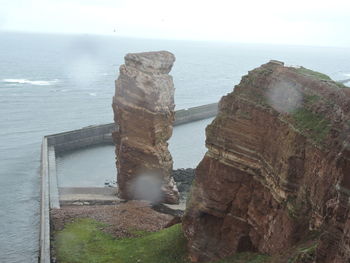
143,108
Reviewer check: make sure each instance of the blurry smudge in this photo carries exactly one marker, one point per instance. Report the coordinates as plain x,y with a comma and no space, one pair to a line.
83,66
284,97
83,71
147,187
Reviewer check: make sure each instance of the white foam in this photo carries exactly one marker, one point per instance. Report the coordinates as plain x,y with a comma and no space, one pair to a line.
31,82
92,94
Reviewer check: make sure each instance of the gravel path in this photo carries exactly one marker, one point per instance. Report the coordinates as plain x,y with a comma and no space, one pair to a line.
120,218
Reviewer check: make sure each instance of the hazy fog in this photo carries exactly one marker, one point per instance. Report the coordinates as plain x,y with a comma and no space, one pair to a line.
312,22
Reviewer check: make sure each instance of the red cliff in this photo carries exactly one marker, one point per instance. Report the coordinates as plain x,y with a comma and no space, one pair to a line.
277,169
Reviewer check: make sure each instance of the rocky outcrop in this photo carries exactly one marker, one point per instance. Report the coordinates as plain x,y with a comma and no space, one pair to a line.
277,169
144,113
183,179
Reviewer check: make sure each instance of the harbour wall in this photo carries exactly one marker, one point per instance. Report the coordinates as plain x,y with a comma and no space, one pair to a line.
72,140
98,134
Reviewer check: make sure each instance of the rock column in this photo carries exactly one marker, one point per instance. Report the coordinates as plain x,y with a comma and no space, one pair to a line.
143,108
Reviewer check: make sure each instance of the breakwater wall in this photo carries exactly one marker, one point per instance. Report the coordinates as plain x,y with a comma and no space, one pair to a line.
73,140
87,136
99,134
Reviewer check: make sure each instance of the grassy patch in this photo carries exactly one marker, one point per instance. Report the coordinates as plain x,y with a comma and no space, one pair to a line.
244,114
319,75
84,241
304,254
291,205
312,73
315,126
310,99
341,85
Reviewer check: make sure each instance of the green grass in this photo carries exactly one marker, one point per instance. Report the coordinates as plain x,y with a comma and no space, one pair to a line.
310,99
341,85
312,73
84,241
315,126
306,254
319,75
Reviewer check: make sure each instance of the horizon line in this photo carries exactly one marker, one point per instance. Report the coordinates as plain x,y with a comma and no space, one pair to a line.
173,39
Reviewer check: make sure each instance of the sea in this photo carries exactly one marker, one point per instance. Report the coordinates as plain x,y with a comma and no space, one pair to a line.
51,83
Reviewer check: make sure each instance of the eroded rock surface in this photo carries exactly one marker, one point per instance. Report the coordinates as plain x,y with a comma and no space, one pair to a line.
144,112
277,168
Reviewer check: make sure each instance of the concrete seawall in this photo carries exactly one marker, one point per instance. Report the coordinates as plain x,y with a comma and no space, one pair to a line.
73,140
87,136
98,134
44,239
195,114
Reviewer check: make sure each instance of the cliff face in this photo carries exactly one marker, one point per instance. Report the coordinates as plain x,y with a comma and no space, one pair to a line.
144,111
277,168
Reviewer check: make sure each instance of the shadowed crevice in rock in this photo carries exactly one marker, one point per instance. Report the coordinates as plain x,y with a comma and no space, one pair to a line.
143,108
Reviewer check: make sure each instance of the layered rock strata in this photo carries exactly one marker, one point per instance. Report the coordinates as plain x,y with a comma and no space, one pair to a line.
143,108
277,168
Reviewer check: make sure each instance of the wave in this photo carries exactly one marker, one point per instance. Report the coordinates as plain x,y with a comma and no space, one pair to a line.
92,94
31,82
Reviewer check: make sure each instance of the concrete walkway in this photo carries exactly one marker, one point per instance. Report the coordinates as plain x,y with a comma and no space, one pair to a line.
97,195
88,195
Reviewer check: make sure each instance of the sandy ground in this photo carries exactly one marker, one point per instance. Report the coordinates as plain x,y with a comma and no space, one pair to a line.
121,217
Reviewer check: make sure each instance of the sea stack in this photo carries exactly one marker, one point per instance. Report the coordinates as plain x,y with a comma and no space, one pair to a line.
143,108
277,171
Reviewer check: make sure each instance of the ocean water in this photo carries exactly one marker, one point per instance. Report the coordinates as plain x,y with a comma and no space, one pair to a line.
55,83
93,166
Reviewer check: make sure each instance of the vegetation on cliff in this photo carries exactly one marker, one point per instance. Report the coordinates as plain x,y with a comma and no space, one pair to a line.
315,74
85,241
319,75
314,125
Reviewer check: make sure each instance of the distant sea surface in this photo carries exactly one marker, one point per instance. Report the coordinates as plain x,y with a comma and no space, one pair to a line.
55,83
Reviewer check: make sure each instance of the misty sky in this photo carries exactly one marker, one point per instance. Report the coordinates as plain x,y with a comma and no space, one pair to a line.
306,22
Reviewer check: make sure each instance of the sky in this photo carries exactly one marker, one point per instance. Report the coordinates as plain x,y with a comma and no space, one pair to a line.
301,22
